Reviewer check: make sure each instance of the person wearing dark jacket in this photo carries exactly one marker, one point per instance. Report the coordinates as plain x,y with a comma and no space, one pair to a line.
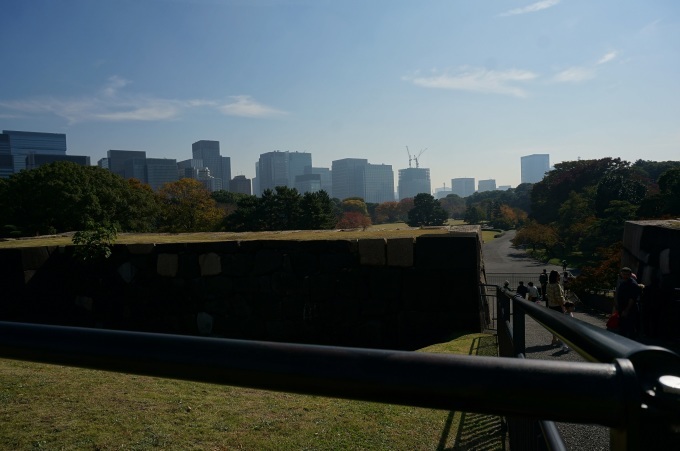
522,290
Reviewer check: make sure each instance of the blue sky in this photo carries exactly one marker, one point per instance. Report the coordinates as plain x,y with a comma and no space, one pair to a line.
478,84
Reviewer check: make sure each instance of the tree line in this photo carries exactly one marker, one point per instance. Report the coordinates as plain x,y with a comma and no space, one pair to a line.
63,196
579,209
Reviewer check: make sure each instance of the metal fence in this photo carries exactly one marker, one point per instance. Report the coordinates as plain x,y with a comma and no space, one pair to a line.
631,391
650,378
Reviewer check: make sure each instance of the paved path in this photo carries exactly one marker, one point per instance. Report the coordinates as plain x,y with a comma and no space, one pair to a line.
501,257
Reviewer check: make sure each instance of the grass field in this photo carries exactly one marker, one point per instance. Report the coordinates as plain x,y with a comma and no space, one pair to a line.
57,407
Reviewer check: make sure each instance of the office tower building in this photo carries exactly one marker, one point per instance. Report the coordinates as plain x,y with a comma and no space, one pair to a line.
463,187
503,187
272,170
378,183
297,162
34,161
209,153
23,144
348,177
413,181
534,167
486,185
118,158
135,168
240,184
356,177
325,177
189,168
160,171
279,168
6,161
308,183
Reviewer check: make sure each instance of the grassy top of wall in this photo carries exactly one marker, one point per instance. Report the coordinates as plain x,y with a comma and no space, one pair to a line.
395,230
301,235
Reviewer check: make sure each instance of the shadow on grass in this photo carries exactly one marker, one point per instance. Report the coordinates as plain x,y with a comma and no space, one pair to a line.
474,430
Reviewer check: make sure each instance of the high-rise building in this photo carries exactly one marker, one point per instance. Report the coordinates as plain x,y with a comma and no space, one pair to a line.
348,177
325,177
34,161
534,167
6,162
486,185
355,177
308,183
209,153
189,168
160,171
23,144
378,183
117,159
272,170
464,186
297,162
279,168
413,181
240,184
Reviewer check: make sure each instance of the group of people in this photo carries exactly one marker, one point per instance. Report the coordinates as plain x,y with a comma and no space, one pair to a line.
554,287
552,293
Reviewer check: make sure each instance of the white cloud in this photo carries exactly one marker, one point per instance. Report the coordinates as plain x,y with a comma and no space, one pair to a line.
532,8
114,84
245,106
574,75
607,57
479,80
112,105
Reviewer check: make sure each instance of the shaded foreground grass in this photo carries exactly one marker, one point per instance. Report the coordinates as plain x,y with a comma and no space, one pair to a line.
58,407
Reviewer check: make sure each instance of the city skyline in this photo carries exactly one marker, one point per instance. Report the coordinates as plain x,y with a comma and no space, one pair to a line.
477,84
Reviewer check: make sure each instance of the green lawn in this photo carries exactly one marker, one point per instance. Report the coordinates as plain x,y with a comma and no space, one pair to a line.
58,407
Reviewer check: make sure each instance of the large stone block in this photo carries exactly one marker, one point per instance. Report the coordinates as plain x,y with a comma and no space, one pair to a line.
167,265
140,249
448,251
372,252
400,252
34,257
210,264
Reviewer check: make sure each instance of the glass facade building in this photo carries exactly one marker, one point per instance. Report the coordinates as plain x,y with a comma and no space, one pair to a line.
534,167
413,181
464,186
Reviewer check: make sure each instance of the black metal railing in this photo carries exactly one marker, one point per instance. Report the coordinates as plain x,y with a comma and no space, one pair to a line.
609,393
652,401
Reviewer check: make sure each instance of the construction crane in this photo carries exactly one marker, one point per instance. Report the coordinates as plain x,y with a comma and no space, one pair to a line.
416,158
409,157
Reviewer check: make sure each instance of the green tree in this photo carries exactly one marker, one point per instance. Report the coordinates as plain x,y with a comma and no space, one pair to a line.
548,194
280,209
186,206
65,196
426,211
317,211
454,205
474,214
618,185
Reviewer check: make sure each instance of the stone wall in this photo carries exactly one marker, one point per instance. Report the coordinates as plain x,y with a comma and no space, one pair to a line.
397,293
652,250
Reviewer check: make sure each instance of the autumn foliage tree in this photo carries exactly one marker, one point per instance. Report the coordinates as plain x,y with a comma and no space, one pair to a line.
186,206
353,220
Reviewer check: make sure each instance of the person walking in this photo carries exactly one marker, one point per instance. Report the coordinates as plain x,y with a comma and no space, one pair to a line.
532,294
627,297
556,302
